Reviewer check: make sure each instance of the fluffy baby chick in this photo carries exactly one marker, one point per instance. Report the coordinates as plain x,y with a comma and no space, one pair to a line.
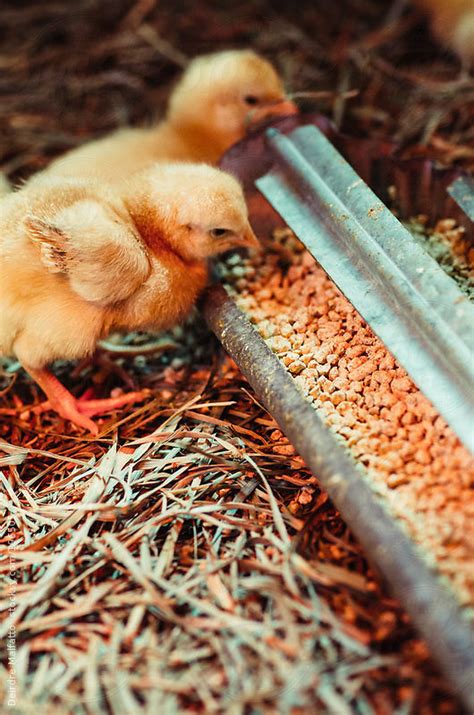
452,22
78,260
209,110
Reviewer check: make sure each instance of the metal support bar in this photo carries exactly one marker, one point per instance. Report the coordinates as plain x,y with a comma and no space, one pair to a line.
431,606
407,299
462,191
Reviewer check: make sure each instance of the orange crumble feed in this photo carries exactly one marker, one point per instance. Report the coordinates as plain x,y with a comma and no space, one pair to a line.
412,459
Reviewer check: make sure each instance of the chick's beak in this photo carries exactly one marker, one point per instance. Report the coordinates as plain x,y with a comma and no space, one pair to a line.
249,239
286,106
283,107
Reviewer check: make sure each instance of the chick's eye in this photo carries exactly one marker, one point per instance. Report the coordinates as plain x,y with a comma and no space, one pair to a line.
251,100
219,232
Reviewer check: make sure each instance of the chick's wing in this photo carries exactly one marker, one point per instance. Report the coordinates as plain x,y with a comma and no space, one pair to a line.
101,256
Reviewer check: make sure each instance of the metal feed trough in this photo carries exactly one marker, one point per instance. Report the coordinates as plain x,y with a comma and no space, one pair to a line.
423,319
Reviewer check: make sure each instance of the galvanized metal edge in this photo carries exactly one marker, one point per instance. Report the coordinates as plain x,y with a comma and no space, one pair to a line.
431,606
414,307
462,191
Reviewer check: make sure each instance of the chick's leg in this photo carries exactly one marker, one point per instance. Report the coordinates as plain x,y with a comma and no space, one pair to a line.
76,410
98,407
60,398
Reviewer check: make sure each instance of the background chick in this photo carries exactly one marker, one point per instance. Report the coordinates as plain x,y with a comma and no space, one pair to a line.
78,260
452,22
209,110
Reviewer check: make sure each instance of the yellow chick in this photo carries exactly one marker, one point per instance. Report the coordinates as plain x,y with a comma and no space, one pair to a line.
209,110
452,22
79,260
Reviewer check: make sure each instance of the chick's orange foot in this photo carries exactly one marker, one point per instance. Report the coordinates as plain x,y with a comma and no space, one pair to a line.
78,411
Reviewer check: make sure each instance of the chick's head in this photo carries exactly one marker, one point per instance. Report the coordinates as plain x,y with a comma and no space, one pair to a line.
195,210
220,94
